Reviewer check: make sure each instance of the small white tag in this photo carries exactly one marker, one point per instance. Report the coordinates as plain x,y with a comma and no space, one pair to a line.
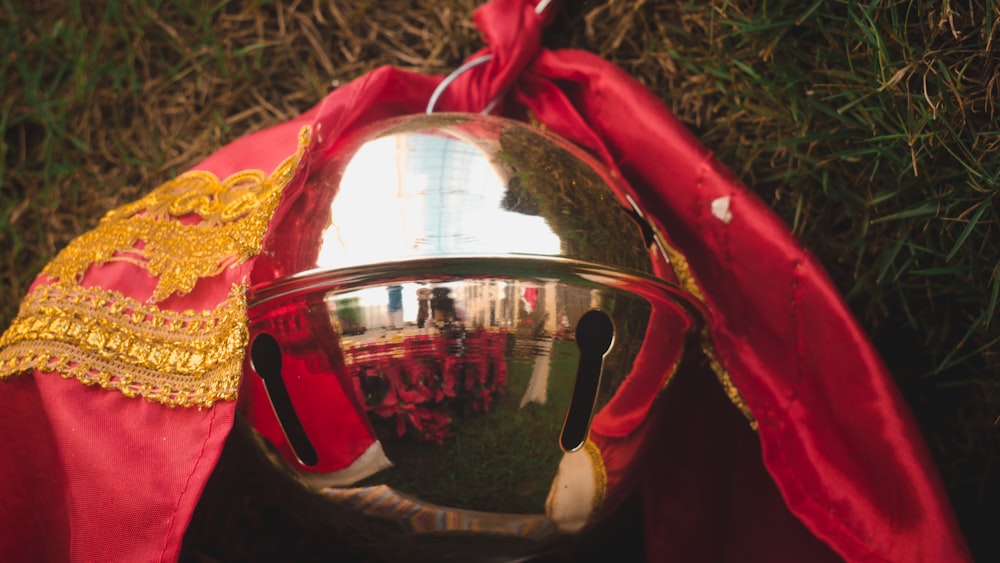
720,209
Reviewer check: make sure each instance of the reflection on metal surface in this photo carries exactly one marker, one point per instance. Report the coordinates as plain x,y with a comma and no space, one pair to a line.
451,185
594,335
426,294
380,501
438,196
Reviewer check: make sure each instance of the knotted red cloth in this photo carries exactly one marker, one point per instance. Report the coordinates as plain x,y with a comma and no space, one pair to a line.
836,468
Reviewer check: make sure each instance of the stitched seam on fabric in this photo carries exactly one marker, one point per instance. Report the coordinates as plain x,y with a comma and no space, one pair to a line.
796,329
738,401
698,187
723,375
187,484
823,508
799,374
682,270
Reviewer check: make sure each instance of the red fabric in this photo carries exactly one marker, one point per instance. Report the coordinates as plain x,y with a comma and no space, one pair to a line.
135,470
32,480
115,478
306,370
96,476
835,434
707,496
653,366
837,464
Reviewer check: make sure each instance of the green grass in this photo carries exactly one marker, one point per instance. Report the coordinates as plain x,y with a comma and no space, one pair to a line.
87,93
870,128
503,460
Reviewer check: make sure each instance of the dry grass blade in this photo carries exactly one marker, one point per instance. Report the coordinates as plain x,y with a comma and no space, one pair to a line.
870,128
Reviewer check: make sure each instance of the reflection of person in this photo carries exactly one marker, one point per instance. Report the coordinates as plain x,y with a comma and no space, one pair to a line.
395,306
563,329
529,296
423,305
442,306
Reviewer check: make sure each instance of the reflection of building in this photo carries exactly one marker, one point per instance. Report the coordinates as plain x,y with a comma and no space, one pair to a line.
553,311
449,197
500,303
457,317
433,196
461,195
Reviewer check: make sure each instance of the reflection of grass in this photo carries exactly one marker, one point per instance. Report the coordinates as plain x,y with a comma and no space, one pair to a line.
500,461
574,199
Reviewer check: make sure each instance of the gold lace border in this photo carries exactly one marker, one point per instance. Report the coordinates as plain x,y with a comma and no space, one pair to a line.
156,233
682,270
100,337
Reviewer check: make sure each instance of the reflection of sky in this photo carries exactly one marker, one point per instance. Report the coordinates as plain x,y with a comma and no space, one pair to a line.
420,195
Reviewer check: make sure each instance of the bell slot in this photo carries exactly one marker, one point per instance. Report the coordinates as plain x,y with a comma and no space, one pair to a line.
265,355
594,334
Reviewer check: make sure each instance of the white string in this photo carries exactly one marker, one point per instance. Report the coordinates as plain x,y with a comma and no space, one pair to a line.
451,78
539,8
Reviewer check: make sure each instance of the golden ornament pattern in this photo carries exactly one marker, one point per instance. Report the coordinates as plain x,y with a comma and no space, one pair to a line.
682,270
191,227
727,382
100,337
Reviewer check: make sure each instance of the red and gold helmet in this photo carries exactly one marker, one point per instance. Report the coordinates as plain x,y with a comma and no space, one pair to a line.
461,325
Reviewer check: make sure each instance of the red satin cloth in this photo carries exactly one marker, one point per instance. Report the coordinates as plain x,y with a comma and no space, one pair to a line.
836,470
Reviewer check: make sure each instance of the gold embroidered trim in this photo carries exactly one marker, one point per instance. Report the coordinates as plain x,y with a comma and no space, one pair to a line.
727,383
191,227
679,264
100,337
673,372
600,474
234,216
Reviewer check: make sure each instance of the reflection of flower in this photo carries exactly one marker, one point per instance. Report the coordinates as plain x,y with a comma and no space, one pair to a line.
424,381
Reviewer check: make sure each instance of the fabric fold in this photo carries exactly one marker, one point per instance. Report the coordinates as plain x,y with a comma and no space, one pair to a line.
838,465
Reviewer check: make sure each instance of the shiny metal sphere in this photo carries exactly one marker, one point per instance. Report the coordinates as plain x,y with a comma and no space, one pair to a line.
449,309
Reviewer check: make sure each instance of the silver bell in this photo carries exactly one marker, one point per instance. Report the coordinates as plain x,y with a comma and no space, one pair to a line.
461,330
